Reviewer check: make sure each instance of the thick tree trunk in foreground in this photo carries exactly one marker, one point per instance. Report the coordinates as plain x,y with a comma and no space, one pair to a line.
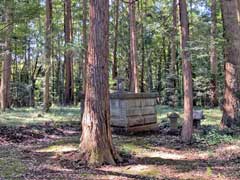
230,11
187,128
6,63
213,56
68,30
133,48
96,147
48,51
114,67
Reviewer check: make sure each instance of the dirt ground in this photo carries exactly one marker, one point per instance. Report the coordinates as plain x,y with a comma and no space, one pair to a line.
47,152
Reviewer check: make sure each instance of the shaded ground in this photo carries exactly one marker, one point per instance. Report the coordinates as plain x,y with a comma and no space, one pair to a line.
48,151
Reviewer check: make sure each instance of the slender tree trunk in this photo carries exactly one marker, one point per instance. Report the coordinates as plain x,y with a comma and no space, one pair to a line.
172,78
159,74
173,38
187,128
6,63
238,9
143,59
133,48
96,147
164,58
149,73
143,55
68,30
213,56
85,41
48,51
230,11
114,67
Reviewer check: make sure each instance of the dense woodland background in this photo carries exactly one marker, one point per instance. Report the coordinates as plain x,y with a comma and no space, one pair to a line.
53,52
155,37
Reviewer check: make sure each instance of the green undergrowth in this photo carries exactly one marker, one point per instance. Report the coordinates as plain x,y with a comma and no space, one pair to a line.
215,136
63,145
27,116
11,165
212,116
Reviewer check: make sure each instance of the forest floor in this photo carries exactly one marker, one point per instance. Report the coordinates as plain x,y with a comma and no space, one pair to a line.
37,146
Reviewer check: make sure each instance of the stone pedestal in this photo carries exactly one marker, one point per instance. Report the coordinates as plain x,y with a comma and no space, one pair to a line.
132,112
173,121
173,117
198,116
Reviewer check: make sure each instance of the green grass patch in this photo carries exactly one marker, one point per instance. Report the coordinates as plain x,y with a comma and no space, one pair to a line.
64,145
27,116
11,166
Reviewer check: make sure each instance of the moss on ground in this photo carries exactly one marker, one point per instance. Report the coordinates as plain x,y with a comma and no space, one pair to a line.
11,165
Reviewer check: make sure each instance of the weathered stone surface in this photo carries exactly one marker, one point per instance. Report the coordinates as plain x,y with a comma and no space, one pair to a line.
128,95
197,117
148,110
118,122
133,103
132,112
148,102
198,114
135,121
148,119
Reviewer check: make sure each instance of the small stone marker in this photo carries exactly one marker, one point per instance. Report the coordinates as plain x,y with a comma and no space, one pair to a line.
197,117
120,84
173,121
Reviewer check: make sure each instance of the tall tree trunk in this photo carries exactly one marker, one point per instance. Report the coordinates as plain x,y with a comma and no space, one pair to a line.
6,63
159,75
96,147
133,47
143,58
173,37
187,128
114,67
142,5
230,11
68,30
171,79
213,56
149,72
48,51
85,41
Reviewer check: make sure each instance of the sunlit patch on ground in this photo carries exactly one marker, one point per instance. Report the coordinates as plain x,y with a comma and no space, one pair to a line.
59,148
24,116
11,165
162,155
146,156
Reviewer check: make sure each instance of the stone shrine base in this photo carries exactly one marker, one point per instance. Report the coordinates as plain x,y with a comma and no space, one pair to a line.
131,112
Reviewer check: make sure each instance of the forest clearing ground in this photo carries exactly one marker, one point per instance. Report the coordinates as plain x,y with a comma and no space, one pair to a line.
44,146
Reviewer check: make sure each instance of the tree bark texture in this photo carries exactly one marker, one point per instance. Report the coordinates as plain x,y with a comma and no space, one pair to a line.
85,41
133,47
6,63
213,56
68,31
96,147
115,63
187,128
231,114
48,51
173,37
